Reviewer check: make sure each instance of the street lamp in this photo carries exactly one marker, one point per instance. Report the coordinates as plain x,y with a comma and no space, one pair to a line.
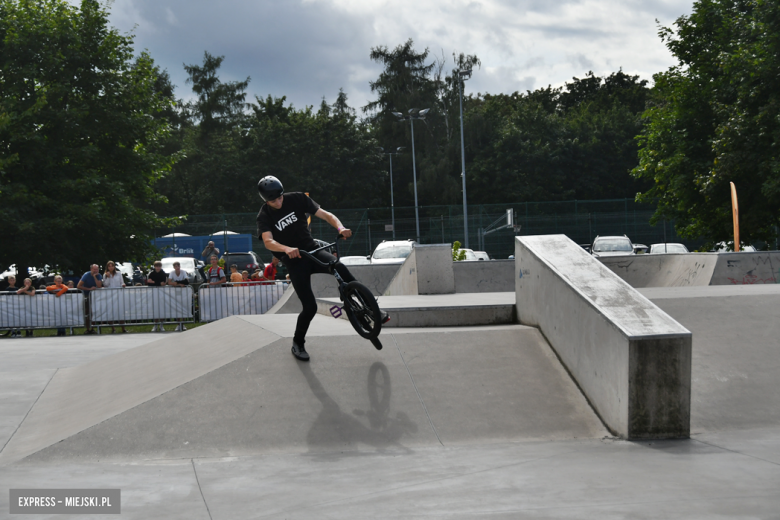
392,204
463,75
414,114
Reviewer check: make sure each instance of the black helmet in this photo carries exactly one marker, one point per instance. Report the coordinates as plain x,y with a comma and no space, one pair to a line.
270,188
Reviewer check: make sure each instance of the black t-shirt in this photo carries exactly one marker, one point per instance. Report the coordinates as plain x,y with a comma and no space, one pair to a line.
289,224
158,277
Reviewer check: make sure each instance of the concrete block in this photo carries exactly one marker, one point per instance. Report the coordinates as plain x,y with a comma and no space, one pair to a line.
484,276
631,359
428,270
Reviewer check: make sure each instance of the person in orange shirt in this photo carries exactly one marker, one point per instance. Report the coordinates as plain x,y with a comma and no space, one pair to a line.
58,289
235,276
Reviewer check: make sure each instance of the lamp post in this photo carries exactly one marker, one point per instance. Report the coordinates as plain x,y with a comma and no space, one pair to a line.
414,114
392,204
463,75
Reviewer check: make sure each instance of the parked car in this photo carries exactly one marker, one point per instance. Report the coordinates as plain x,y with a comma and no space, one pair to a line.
355,260
392,251
668,247
481,255
470,255
722,247
188,265
248,261
612,246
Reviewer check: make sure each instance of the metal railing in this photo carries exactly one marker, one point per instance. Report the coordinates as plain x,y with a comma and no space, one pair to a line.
142,306
42,311
237,299
137,305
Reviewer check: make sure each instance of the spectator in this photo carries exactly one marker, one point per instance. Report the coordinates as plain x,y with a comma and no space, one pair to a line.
178,278
256,276
58,289
235,276
70,284
215,273
210,250
27,290
112,279
270,270
157,278
91,280
12,288
245,277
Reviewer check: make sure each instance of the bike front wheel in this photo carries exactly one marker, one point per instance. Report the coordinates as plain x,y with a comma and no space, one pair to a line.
362,310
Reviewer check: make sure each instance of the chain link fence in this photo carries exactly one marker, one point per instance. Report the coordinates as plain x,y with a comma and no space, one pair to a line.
579,220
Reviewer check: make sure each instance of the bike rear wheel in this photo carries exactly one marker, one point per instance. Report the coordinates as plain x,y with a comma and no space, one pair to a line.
362,310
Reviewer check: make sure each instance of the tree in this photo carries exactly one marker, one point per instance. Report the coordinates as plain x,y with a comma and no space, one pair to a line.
715,119
78,157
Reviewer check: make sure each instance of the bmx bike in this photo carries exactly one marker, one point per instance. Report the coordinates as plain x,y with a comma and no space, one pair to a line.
359,303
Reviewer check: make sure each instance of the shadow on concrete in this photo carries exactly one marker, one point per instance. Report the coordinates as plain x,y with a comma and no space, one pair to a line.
335,427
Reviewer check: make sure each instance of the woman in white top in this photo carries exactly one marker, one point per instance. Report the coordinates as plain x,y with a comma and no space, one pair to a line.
112,279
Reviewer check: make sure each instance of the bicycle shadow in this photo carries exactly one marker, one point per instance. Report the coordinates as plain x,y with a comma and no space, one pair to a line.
335,428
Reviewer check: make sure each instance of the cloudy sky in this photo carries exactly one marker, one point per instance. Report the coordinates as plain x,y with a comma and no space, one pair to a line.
307,49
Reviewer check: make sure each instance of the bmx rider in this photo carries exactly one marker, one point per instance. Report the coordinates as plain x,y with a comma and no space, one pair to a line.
282,226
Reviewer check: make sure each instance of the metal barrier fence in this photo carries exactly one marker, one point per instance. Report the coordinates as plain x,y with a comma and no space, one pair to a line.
142,306
220,301
42,311
137,305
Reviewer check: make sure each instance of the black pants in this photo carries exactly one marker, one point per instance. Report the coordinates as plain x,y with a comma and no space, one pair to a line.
300,270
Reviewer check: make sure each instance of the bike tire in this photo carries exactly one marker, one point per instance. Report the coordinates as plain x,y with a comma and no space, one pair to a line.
362,310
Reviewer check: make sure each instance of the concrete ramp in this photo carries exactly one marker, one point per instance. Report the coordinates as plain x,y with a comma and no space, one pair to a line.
442,387
697,269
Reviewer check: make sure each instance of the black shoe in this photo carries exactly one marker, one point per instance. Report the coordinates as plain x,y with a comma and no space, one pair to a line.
299,351
90,331
385,317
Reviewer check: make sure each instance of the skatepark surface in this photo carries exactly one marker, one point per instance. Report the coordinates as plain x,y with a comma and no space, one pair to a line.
221,422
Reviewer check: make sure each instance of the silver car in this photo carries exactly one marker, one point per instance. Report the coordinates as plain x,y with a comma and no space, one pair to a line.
612,246
188,265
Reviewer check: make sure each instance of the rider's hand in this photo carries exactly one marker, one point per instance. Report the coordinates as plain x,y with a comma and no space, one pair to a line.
346,233
292,252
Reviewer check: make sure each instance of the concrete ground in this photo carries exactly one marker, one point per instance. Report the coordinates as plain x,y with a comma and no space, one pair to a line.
442,423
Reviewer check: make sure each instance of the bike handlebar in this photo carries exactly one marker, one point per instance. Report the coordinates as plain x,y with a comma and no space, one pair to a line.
310,254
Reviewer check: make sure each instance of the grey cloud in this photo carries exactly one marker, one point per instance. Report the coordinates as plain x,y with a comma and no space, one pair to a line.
303,51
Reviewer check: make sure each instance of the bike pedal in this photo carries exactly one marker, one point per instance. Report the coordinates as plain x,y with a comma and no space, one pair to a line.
377,344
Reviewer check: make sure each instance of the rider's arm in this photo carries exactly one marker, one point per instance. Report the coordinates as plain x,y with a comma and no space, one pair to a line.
331,219
273,245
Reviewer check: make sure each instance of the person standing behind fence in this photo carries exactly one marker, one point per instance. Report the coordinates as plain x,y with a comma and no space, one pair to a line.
12,288
270,270
210,250
27,290
58,289
178,278
91,280
112,279
157,278
215,273
235,276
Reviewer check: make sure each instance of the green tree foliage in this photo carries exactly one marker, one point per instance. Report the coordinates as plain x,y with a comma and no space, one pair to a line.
549,144
79,150
715,119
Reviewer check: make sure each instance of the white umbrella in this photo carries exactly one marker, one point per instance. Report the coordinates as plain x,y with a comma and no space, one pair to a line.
174,235
224,233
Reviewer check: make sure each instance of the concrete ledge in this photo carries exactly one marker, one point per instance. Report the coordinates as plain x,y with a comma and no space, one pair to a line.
631,359
484,276
427,270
